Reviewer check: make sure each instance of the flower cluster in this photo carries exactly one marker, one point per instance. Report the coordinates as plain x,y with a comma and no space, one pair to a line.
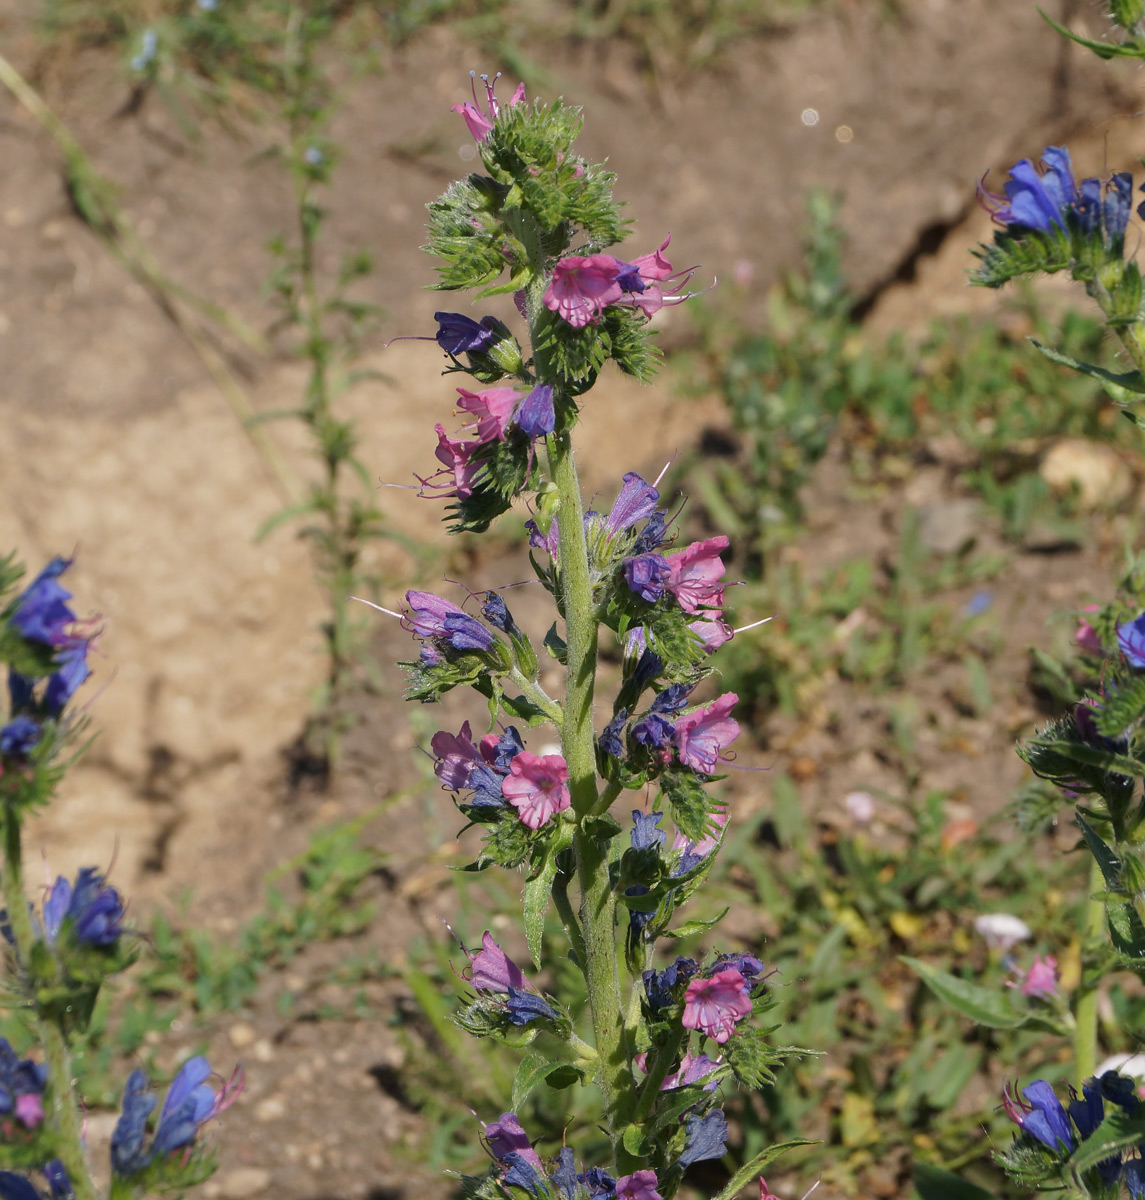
1049,200
584,285
714,1000
1057,1131
492,970
189,1104
88,911
48,648
502,772
22,1083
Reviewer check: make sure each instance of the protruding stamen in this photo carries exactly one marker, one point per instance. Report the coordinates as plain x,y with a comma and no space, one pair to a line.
388,611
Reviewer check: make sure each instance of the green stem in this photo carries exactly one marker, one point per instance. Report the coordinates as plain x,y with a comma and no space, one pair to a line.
535,694
1085,1035
1132,337
658,1063
65,1113
568,918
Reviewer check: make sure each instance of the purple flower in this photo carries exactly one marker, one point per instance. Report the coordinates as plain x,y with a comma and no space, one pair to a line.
457,462
189,1104
459,334
492,970
497,613
636,502
433,617
582,286
505,1137
493,408
537,417
21,1087
1131,639
455,756
500,751
1040,1115
707,1138
647,575
19,737
653,730
703,735
641,1185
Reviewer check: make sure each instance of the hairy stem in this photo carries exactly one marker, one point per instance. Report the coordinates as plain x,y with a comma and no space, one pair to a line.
1085,1034
65,1112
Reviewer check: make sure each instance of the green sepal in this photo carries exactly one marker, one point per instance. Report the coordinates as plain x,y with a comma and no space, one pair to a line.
692,807
635,1142
602,827
556,645
751,1058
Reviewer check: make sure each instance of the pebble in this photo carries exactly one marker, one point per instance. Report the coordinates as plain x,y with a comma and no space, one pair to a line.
241,1182
273,1108
241,1034
949,527
1097,471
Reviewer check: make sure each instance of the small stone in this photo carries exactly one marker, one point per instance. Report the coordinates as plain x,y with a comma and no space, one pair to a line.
1097,471
241,1034
273,1108
949,527
262,1050
241,1182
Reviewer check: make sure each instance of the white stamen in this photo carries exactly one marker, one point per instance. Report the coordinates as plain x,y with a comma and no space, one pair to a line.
388,611
656,481
754,625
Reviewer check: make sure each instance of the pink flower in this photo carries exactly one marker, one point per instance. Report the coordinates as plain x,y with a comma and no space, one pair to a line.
764,1193
706,845
493,970
478,121
711,632
581,286
493,409
654,267
537,787
1042,979
641,1185
696,572
702,736
456,457
692,1068
1086,636
713,1006
29,1109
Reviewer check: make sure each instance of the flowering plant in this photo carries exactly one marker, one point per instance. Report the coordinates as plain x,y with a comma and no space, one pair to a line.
540,223
59,957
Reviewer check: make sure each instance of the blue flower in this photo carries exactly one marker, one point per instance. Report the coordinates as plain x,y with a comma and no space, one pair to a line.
645,833
707,1138
19,737
42,613
612,735
1052,199
1041,1116
658,985
1131,639
189,1104
537,416
459,334
95,910
497,613
524,1007
647,575
653,730
486,785
636,502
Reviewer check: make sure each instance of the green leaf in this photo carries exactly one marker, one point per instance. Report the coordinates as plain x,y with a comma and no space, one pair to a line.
531,1072
933,1183
748,1172
1120,386
982,1005
692,928
538,889
634,1142
1119,1131
1109,863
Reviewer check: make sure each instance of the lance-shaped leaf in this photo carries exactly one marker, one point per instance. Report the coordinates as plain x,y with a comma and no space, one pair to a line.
933,1183
982,1005
1121,386
1119,1131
